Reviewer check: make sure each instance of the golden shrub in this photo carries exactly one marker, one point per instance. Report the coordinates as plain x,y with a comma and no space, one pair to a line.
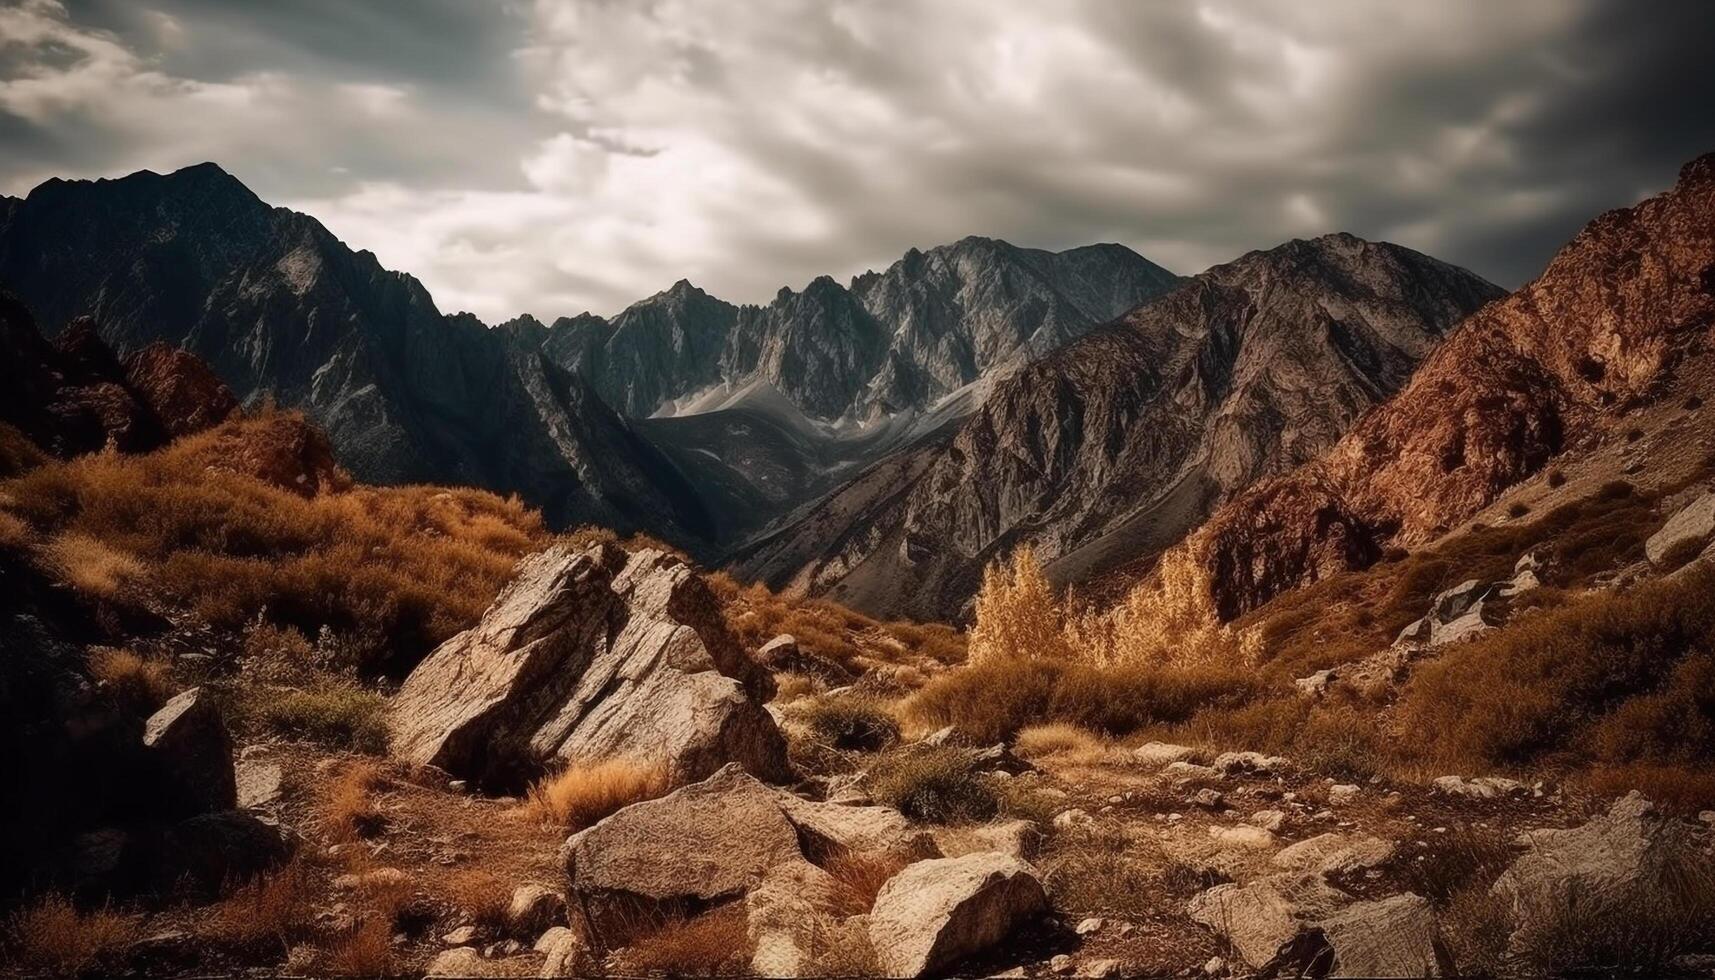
582,794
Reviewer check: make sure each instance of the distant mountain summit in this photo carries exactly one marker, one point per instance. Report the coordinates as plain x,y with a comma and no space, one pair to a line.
1114,445
890,342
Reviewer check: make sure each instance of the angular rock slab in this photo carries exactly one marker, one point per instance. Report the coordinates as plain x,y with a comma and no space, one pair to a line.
591,654
935,913
1392,937
189,747
1259,917
1694,522
1334,854
693,848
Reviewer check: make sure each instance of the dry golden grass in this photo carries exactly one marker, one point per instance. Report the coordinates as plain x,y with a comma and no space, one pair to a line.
17,452
365,951
715,943
272,911
993,700
1612,678
349,810
14,533
790,687
222,533
481,898
140,684
330,710
849,722
53,936
827,629
91,566
1019,615
1058,739
932,785
1100,870
582,794
859,877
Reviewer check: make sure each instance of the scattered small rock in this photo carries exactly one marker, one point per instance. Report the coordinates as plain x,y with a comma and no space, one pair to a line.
1163,753
1269,820
533,910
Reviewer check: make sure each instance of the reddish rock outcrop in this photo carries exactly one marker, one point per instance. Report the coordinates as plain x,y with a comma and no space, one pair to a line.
73,396
1520,381
181,390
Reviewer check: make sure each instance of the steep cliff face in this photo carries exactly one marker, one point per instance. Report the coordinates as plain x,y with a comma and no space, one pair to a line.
1523,380
1115,444
280,308
894,341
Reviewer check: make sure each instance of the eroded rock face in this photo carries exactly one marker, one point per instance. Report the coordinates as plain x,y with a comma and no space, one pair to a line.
933,914
1520,381
179,388
590,655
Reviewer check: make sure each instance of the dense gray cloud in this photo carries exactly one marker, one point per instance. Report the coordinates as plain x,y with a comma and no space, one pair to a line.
569,154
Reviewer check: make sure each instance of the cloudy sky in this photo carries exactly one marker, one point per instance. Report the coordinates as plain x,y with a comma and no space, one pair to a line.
563,155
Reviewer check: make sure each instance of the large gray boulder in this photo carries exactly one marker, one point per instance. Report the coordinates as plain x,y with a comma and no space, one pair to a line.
591,654
709,843
191,752
935,913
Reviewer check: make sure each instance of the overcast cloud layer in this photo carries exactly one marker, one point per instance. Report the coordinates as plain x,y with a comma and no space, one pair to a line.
564,155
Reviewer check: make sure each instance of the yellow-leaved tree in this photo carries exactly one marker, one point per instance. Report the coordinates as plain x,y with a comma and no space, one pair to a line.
1018,613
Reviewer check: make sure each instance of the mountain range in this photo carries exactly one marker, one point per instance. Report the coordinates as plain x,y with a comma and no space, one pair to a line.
842,439
1112,447
281,309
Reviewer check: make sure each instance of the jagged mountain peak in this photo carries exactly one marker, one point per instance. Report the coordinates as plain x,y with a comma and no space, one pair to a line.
898,340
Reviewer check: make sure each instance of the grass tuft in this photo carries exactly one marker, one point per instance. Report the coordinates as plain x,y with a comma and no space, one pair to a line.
581,795
53,936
